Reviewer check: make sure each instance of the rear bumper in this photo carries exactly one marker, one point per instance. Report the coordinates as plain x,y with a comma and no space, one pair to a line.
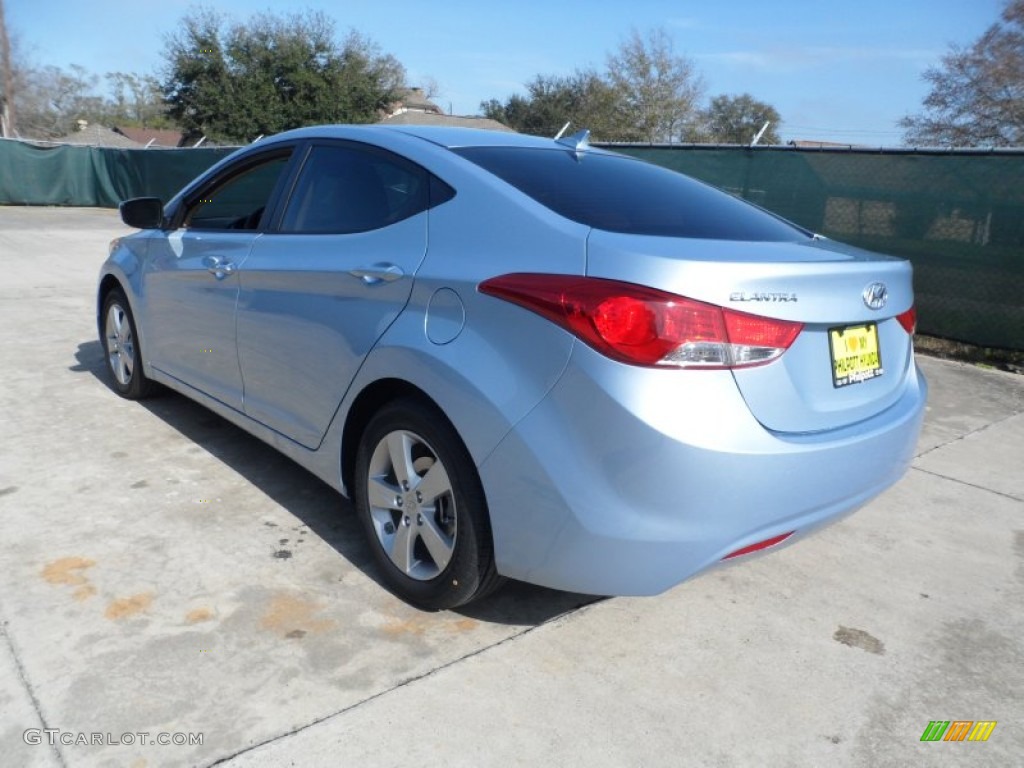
626,481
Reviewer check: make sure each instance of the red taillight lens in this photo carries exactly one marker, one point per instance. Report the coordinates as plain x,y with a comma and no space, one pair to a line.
908,320
644,326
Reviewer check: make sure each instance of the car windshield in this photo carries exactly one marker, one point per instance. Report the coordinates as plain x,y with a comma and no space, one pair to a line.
621,194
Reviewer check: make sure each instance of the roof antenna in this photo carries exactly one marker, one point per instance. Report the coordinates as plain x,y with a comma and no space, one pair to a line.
578,142
564,129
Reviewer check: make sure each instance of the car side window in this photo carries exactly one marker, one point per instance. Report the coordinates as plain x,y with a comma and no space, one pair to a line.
239,201
345,189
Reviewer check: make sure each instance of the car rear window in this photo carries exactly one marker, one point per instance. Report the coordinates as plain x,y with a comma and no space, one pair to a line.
621,194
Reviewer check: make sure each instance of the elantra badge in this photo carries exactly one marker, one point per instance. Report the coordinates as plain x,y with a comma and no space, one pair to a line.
875,295
761,296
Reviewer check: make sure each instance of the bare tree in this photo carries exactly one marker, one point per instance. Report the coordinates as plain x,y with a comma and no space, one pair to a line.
977,93
429,87
659,88
7,121
52,99
137,101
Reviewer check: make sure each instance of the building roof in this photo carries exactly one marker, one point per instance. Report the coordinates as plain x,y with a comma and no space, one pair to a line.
160,137
429,118
98,136
413,100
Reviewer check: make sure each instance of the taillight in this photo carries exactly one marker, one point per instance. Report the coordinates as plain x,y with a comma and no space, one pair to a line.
644,326
908,320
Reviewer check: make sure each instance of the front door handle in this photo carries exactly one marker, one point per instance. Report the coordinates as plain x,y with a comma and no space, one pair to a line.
378,273
218,268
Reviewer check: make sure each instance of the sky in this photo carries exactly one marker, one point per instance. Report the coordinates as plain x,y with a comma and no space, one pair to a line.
835,71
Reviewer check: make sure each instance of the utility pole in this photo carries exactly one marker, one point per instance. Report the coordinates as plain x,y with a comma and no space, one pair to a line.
7,127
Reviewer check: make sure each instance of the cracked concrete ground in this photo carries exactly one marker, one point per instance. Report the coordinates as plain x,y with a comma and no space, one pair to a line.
165,573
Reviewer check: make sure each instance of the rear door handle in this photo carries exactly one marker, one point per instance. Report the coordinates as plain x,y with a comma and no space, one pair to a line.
378,273
216,267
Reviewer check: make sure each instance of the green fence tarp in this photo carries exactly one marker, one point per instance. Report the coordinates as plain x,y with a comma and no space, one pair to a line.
95,176
958,216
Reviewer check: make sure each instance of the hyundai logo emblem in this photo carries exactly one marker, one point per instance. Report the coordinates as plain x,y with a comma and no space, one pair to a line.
875,295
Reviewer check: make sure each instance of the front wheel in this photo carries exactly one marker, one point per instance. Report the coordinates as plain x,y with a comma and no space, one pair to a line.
420,501
121,348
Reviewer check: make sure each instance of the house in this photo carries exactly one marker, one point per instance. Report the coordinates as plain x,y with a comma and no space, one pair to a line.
152,137
414,108
97,136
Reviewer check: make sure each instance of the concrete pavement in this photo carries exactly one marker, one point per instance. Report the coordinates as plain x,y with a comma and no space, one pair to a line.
164,573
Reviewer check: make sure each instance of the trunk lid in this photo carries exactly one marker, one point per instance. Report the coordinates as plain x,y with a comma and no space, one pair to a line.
817,282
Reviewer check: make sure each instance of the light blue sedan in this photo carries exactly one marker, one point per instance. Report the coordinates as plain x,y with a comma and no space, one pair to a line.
522,357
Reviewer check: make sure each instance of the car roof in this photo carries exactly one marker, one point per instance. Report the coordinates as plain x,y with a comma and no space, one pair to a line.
450,137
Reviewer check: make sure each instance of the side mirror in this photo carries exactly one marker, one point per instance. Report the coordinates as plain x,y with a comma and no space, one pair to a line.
142,212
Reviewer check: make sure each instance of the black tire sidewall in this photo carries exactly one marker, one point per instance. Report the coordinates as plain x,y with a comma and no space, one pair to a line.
137,386
472,559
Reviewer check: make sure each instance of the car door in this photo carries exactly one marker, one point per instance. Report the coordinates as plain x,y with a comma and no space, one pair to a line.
318,291
191,282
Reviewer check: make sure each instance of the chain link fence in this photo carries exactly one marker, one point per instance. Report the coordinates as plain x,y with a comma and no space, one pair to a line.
957,215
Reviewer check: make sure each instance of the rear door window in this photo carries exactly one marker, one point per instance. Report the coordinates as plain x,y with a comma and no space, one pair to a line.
348,188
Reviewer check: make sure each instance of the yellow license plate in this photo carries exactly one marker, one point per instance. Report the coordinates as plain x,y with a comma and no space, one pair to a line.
855,354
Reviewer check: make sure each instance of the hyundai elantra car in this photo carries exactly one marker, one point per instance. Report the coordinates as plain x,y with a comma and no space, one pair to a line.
521,357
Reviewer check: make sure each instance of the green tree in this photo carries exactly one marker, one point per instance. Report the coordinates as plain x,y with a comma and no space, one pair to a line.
658,88
235,82
737,119
585,99
977,93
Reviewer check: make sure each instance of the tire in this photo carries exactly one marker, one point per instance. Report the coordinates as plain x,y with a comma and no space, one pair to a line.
121,348
420,501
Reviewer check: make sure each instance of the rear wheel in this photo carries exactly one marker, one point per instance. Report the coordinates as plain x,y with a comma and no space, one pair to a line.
121,348
420,501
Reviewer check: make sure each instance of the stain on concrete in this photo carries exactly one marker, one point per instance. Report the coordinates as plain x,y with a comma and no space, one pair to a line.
414,626
296,634
283,554
417,625
282,541
140,484
197,615
119,455
965,665
8,489
126,607
67,570
858,638
288,613
84,592
269,524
